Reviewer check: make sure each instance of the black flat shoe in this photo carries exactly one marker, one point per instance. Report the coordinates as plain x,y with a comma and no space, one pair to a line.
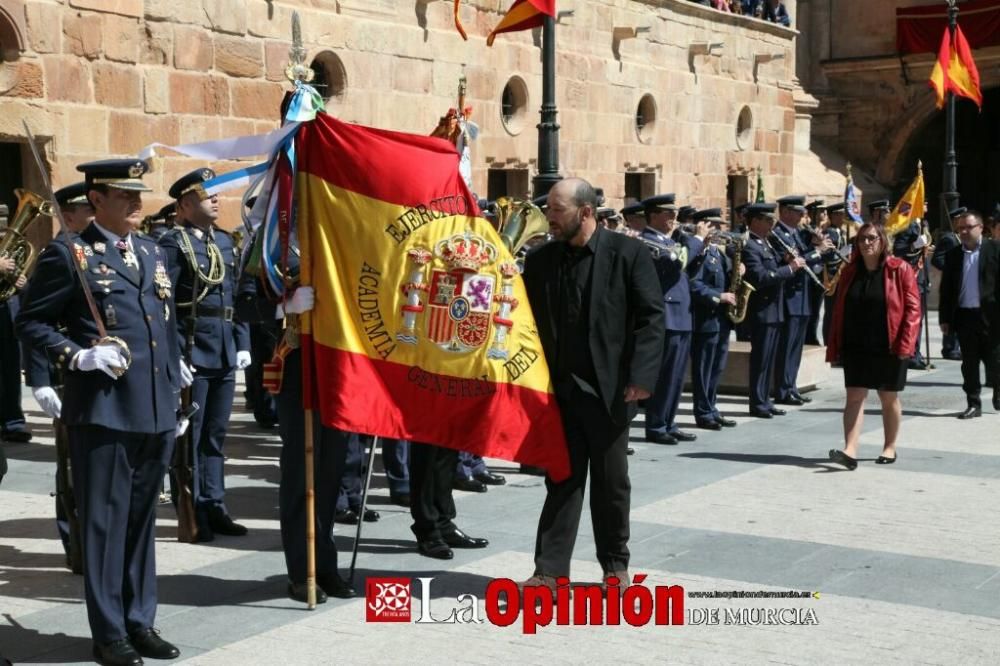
725,423
682,436
842,458
971,412
148,643
777,412
761,413
300,592
491,479
335,586
469,485
435,548
660,438
882,460
459,539
116,653
708,425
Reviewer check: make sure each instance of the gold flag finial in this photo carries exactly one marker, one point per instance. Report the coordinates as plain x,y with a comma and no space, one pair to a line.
297,69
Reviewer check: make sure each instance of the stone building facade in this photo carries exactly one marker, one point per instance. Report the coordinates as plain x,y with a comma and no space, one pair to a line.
653,95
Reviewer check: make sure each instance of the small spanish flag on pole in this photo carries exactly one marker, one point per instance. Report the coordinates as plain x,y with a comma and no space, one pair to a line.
910,208
523,15
955,70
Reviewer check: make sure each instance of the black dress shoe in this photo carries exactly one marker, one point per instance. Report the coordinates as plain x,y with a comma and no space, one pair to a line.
490,479
660,438
346,517
300,592
224,524
838,456
116,653
335,586
18,436
400,499
804,398
708,425
777,412
996,400
629,451
469,485
459,539
725,423
761,413
971,412
682,436
435,548
148,643
790,400
371,516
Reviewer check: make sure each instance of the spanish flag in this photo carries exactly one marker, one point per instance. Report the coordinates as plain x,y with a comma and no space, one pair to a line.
422,328
955,70
523,15
910,208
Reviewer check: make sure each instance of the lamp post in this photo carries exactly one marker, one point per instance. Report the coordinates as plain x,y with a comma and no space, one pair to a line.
950,194
548,128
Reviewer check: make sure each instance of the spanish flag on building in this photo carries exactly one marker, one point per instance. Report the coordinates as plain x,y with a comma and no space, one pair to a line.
422,328
955,70
523,15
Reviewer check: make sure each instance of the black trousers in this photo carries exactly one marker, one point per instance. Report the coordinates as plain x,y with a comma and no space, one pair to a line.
432,506
598,447
977,348
11,416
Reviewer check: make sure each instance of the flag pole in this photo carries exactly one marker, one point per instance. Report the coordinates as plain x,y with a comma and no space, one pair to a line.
548,128
364,506
950,194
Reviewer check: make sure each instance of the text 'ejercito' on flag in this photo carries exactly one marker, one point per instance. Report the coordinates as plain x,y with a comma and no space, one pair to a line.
422,328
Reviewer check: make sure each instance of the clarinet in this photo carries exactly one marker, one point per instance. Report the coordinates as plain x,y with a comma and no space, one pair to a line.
795,253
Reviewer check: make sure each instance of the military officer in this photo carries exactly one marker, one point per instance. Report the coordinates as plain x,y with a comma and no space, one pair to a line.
46,384
673,255
911,245
768,271
161,222
13,427
814,223
472,474
878,211
787,235
202,263
839,232
120,400
634,217
330,447
710,273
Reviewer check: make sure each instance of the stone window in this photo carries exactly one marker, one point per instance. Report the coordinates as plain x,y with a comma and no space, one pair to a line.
331,77
11,29
639,186
645,118
514,105
507,183
744,129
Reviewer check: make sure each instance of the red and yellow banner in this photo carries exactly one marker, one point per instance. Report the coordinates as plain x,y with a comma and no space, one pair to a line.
422,328
523,15
910,207
955,70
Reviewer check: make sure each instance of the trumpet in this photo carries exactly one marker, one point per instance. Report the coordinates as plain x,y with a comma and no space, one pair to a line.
795,253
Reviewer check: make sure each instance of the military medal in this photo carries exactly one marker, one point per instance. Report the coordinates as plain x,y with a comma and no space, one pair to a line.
110,317
81,256
100,247
162,281
166,311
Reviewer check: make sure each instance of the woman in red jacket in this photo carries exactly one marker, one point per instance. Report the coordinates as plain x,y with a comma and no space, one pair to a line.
876,317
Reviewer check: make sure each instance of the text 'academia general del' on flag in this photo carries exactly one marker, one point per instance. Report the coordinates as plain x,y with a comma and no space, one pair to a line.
422,328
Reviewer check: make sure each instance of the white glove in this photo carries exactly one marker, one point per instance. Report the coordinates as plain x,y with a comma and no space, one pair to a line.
920,242
48,400
301,301
187,375
182,427
107,358
243,360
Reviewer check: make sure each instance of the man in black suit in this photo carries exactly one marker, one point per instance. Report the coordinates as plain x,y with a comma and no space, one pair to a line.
598,306
969,307
948,240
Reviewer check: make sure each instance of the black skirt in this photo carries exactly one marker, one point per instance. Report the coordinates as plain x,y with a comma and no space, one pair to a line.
874,371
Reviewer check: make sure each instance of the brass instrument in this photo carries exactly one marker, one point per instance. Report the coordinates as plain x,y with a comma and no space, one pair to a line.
13,244
519,223
830,281
737,285
795,253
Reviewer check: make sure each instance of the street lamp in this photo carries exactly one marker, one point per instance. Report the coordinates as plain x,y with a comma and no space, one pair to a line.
548,128
950,194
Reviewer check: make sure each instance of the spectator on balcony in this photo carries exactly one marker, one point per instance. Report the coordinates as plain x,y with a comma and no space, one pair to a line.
721,5
775,12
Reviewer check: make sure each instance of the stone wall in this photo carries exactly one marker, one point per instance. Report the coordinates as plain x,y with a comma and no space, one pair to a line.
97,78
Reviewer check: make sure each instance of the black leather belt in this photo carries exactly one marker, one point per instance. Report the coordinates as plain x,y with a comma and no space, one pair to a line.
226,313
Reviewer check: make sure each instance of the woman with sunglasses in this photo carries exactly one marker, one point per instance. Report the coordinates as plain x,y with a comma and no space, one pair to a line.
876,317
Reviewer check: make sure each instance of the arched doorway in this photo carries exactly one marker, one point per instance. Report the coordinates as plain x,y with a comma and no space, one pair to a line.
977,142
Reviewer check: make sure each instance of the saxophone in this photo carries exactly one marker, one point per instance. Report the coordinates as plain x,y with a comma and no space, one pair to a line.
737,285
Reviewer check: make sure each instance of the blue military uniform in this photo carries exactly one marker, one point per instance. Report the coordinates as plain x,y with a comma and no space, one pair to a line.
209,339
766,271
798,307
815,291
670,259
120,430
710,274
833,261
161,222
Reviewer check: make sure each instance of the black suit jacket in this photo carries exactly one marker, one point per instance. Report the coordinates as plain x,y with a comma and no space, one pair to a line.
951,285
625,328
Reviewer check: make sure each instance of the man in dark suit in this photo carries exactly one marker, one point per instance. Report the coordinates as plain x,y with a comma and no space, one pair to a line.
950,349
599,310
202,263
768,272
969,307
119,403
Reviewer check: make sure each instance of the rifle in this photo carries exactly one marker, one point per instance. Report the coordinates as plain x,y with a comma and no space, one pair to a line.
182,466
64,496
